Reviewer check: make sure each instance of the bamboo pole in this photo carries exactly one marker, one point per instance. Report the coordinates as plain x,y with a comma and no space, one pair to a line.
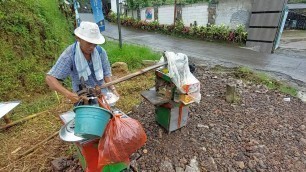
132,75
21,120
37,145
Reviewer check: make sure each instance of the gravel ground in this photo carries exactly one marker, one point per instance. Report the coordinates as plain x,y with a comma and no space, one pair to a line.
263,132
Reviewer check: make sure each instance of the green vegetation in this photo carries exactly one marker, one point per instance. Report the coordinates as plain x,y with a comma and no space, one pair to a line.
248,75
134,4
31,38
219,33
261,78
130,54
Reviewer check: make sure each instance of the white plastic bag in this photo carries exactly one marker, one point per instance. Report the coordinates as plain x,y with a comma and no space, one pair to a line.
181,76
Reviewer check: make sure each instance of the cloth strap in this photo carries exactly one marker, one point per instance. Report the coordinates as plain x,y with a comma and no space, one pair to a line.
82,64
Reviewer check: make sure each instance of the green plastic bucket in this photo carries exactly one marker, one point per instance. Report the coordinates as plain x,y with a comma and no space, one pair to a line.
90,121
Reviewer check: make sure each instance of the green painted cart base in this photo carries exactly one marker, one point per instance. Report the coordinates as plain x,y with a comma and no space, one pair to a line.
117,167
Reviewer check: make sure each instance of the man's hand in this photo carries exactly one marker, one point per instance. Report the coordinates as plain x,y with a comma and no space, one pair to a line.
73,97
115,92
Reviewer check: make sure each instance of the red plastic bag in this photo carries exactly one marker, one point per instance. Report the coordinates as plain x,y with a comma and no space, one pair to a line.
91,155
123,136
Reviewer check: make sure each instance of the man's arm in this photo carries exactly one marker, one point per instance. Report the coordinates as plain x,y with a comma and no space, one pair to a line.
54,84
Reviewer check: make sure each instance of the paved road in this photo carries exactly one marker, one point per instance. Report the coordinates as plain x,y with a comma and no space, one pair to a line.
291,67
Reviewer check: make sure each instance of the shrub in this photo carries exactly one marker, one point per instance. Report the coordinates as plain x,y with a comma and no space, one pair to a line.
210,32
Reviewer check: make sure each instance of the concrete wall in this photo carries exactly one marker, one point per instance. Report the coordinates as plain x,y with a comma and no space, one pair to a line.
166,14
113,6
195,12
228,12
132,13
233,12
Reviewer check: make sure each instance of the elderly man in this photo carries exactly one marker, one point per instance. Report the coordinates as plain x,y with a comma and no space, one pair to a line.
84,59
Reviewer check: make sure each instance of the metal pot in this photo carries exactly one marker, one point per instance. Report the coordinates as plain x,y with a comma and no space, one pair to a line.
67,133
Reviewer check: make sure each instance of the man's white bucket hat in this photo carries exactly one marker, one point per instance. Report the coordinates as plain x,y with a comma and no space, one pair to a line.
89,32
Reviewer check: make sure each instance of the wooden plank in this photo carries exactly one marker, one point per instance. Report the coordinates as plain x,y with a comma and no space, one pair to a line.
174,119
154,98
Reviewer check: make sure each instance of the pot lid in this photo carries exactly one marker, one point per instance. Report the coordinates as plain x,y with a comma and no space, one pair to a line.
67,133
6,107
67,116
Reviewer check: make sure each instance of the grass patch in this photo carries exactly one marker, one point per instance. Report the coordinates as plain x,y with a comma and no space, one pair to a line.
31,39
130,54
261,78
130,91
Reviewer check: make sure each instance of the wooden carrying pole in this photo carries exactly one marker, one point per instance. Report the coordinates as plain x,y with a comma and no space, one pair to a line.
21,120
37,145
133,75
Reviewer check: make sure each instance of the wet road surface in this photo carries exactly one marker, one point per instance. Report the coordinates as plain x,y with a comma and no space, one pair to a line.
292,67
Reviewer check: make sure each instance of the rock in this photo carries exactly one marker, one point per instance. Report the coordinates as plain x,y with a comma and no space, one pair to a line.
231,94
166,166
203,148
252,164
184,161
135,156
302,127
202,126
59,164
262,149
135,108
145,151
210,164
240,164
253,142
251,148
160,133
303,141
143,166
231,169
179,169
134,164
194,164
189,169
120,69
262,165
194,140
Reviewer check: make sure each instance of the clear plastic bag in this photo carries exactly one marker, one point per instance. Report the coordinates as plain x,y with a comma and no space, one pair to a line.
181,76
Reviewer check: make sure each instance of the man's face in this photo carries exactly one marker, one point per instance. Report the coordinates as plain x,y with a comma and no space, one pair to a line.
86,47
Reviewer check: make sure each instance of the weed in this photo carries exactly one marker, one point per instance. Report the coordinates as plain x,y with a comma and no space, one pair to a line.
261,78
